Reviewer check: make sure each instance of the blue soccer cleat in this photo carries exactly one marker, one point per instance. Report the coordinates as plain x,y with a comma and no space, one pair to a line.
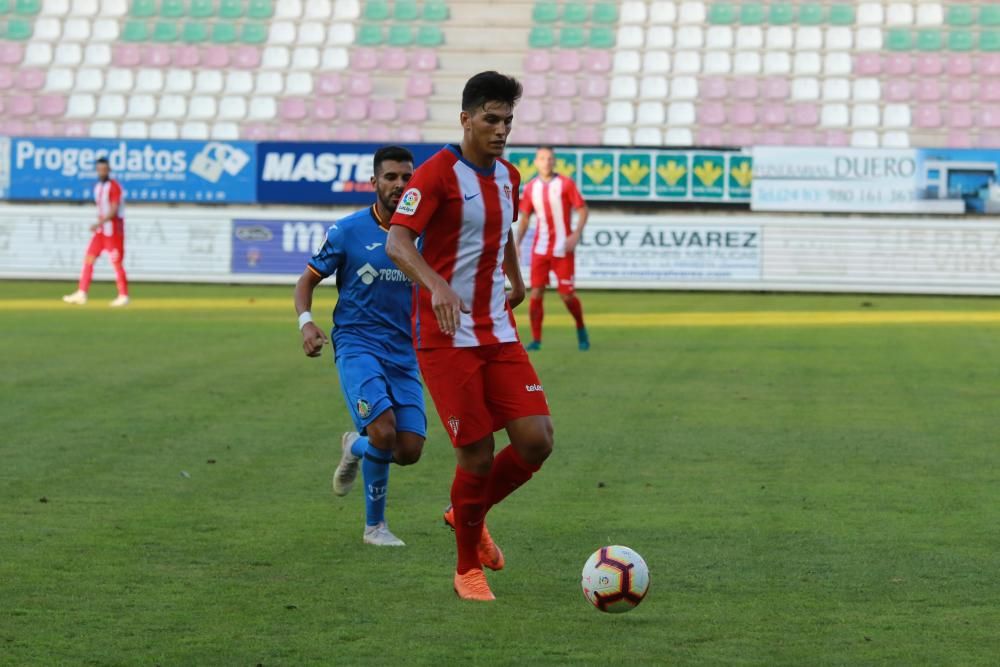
533,346
583,340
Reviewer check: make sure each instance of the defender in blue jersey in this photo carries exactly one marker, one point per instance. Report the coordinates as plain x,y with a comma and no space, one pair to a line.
372,343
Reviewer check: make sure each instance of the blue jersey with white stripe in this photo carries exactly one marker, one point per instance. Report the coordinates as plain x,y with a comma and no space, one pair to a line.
375,298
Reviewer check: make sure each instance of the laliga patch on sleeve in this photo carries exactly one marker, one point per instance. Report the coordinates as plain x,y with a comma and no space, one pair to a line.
409,202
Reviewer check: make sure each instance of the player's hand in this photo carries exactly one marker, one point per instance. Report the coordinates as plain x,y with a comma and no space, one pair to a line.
313,339
448,307
571,241
94,227
516,295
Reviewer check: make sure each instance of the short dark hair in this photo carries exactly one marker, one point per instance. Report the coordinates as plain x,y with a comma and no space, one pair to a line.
397,153
490,87
103,160
545,148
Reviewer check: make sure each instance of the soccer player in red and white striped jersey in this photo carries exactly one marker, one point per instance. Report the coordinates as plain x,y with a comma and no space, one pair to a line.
462,203
553,198
109,237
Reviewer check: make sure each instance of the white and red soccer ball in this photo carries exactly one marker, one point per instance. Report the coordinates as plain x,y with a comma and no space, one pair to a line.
615,579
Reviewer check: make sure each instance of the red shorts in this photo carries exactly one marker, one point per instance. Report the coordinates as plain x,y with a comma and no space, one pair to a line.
113,245
479,390
563,267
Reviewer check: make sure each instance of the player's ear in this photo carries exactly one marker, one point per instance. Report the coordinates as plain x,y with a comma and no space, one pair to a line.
466,120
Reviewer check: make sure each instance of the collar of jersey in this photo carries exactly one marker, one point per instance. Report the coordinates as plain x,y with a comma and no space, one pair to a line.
374,215
488,171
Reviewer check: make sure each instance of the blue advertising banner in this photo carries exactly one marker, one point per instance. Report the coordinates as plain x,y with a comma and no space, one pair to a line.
148,170
321,173
276,246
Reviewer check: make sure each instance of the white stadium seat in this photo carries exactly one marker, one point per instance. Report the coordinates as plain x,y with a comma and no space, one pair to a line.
617,136
288,9
690,37
836,90
837,64
834,115
678,136
896,140
864,139
663,12
691,12
269,83
335,57
633,12
747,62
311,34
262,108
69,55
805,89
224,131
626,62
680,113
97,55
684,88
194,130
275,57
870,13
930,14
869,39
653,87
179,81
208,81
141,106
347,9
899,13
202,107
134,129
749,37
897,115
660,37
232,108
779,38
807,62
104,129
305,57
80,106
656,62
687,62
867,90
719,37
59,80
238,83
650,113
37,54
149,80
340,34
718,63
163,130
318,9
76,30
630,37
172,107
92,80
865,115
620,113
777,63
299,83
648,136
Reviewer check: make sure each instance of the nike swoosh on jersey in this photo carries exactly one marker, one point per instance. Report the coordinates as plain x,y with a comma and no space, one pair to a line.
372,246
468,197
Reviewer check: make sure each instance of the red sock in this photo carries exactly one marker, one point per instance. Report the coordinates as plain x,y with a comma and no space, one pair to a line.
537,313
86,275
509,472
468,497
120,279
575,309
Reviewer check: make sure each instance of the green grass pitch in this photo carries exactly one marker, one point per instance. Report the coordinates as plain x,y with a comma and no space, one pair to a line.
813,480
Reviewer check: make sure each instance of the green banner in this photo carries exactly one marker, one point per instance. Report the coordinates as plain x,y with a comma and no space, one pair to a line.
635,175
708,173
673,175
740,177
597,177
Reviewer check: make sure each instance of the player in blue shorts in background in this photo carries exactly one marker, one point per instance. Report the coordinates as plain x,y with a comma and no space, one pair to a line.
372,343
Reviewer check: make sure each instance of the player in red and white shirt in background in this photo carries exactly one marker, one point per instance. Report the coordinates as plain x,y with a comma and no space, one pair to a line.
462,203
109,236
552,198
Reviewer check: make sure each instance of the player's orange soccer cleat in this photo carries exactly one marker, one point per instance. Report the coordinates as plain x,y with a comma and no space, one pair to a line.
473,586
489,553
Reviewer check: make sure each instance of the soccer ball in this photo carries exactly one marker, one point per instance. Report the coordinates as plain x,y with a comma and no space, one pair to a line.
615,579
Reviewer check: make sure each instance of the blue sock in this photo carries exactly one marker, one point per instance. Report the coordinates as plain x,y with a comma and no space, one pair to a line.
375,469
360,446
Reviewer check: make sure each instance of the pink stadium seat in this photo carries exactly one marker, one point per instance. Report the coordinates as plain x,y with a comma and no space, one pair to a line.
560,111
3,107
711,114
927,117
805,115
776,88
246,57
324,108
928,90
126,55
556,135
394,60
20,105
10,53
364,60
930,64
419,85
803,138
741,138
382,110
30,79
423,60
590,112
6,79
346,133
215,56
961,91
329,83
989,139
52,105
774,115
317,133
897,90
898,64
287,133
156,56
959,65
413,111
709,137
714,88
989,117
292,108
525,134
594,87
960,117
587,136
564,86
15,128
771,138
76,129
537,62
354,108
408,133
742,114
990,91
359,85
534,85
255,132
567,61
867,64
597,62
377,132
46,128
530,111
989,64
959,139
187,56
837,138
745,88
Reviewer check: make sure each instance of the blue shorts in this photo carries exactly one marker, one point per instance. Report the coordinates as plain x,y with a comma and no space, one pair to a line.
371,386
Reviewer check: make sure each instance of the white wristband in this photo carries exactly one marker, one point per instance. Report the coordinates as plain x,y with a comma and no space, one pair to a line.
304,319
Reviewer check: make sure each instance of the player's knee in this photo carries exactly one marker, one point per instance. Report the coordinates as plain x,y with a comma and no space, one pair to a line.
408,449
567,293
382,434
538,444
537,292
89,259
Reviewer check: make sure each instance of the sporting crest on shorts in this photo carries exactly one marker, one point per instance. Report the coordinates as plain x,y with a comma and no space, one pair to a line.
363,408
453,424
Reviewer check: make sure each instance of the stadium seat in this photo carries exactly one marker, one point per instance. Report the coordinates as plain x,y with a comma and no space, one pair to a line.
961,40
960,15
751,13
899,40
929,65
932,40
989,41
261,9
601,38
405,10
143,8
369,34
165,32
435,11
595,88
989,15
324,109
430,36
572,38
662,12
419,85
604,12
899,14
400,35
545,12
530,111
172,9
575,12
194,33
225,33
201,9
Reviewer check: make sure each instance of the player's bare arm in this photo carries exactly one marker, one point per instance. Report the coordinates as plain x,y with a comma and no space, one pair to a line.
402,249
512,269
522,229
574,239
101,219
313,338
